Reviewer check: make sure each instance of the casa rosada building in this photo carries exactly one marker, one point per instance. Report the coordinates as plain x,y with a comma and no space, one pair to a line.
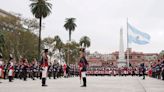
135,58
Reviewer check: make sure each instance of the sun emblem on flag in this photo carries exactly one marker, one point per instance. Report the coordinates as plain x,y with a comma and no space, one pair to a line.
137,37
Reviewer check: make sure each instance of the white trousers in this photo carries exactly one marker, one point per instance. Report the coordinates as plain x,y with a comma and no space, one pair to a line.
44,72
10,73
83,74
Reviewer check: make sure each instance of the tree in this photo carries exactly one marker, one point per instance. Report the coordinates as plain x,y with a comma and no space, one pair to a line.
85,41
58,42
161,54
10,23
2,42
70,26
47,43
31,24
40,9
74,52
58,45
20,43
16,40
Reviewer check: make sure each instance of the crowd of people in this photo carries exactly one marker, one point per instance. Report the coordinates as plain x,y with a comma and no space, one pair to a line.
114,71
23,70
157,70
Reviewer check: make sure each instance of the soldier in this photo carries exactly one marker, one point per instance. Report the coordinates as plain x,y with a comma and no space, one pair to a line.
11,68
34,64
83,67
50,70
16,68
54,70
5,69
1,66
44,65
162,72
24,69
65,68
31,71
143,70
68,71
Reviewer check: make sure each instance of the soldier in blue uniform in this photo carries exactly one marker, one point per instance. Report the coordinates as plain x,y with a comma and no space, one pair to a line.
50,70
143,70
54,70
162,70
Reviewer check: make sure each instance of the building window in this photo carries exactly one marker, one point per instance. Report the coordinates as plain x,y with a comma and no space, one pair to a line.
130,57
138,56
116,57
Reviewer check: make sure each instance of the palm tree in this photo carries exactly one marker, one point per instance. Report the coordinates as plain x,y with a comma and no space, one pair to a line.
85,41
70,25
40,9
57,39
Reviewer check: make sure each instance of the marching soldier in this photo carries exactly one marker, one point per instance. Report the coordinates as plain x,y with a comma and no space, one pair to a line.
83,67
44,65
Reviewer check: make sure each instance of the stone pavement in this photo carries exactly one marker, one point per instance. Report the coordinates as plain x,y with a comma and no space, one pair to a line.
95,84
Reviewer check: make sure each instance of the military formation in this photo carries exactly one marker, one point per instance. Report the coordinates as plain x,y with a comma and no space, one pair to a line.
156,70
25,70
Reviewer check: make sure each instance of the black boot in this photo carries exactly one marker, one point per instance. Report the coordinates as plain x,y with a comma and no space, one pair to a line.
44,82
10,78
84,82
40,75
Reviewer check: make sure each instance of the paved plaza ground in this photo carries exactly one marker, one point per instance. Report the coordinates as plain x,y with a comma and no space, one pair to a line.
95,84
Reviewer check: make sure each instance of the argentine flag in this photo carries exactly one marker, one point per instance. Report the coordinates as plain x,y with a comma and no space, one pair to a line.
136,36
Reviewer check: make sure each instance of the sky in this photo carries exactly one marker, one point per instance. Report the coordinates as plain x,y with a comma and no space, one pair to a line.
101,21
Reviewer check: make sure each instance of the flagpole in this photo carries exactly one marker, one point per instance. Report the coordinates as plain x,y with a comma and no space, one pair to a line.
127,45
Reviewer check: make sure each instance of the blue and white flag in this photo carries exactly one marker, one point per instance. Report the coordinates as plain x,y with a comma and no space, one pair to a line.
136,36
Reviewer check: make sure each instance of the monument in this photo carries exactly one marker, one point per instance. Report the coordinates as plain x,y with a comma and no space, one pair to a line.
121,61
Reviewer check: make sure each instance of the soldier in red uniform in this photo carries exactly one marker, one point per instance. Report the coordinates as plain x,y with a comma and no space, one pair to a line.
64,68
11,68
44,65
83,67
1,66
